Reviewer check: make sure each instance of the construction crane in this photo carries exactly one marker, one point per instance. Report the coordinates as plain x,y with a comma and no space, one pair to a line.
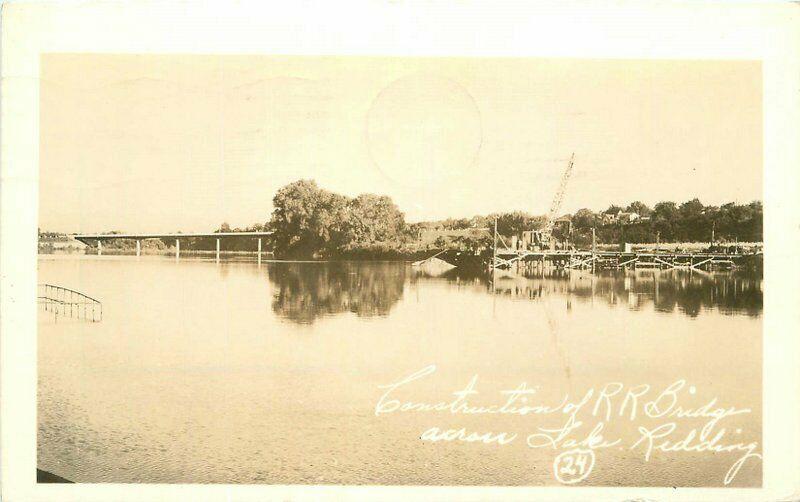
545,236
547,231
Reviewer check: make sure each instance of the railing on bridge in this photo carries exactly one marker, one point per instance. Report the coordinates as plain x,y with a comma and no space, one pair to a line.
68,302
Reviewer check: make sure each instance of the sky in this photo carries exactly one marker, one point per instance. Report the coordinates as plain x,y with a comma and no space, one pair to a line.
166,143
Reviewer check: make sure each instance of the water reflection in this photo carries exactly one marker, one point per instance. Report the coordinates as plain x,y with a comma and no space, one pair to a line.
306,291
688,292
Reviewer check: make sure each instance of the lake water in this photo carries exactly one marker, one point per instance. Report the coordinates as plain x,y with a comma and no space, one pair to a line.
238,372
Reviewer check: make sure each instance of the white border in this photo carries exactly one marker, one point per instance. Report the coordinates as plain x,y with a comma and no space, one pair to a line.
769,32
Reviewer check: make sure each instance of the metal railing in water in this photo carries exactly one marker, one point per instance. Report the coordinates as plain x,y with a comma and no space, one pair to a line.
68,302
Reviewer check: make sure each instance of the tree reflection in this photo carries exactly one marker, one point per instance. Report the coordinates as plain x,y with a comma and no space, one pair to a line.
689,292
307,291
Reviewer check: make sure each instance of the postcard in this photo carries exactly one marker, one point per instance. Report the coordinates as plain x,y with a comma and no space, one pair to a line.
400,250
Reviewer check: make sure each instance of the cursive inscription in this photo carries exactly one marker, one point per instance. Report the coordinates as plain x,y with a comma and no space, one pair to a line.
649,420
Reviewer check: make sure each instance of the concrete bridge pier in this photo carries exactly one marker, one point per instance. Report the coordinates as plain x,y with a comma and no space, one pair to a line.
259,250
138,247
177,248
99,247
217,249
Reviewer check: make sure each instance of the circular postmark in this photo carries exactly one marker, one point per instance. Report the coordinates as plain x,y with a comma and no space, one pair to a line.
573,466
423,129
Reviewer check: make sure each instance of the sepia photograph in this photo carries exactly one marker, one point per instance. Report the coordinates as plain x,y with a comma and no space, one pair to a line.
399,250
399,271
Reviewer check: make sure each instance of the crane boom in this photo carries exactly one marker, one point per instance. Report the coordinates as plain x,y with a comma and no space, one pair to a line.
547,231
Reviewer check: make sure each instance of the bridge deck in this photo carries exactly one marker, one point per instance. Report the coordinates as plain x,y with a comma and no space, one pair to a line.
96,237
100,238
508,257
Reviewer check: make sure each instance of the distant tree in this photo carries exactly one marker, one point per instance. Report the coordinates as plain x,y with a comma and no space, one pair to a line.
515,223
457,224
308,221
584,218
693,223
664,220
639,208
666,211
692,208
743,222
754,229
373,218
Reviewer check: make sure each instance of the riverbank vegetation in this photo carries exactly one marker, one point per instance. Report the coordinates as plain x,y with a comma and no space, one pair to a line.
309,222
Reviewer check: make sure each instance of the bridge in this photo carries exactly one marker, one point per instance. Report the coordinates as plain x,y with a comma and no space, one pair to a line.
100,238
505,258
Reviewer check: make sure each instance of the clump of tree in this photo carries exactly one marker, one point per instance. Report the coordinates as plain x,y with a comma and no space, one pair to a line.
311,222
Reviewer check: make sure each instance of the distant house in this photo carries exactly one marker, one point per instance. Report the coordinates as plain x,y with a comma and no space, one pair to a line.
622,217
609,218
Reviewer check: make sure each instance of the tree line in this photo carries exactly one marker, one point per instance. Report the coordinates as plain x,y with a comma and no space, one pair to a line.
310,222
690,221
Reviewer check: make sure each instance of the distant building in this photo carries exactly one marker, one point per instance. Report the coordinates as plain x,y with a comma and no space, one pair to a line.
622,217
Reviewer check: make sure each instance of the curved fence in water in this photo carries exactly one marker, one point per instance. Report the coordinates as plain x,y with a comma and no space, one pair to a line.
69,303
